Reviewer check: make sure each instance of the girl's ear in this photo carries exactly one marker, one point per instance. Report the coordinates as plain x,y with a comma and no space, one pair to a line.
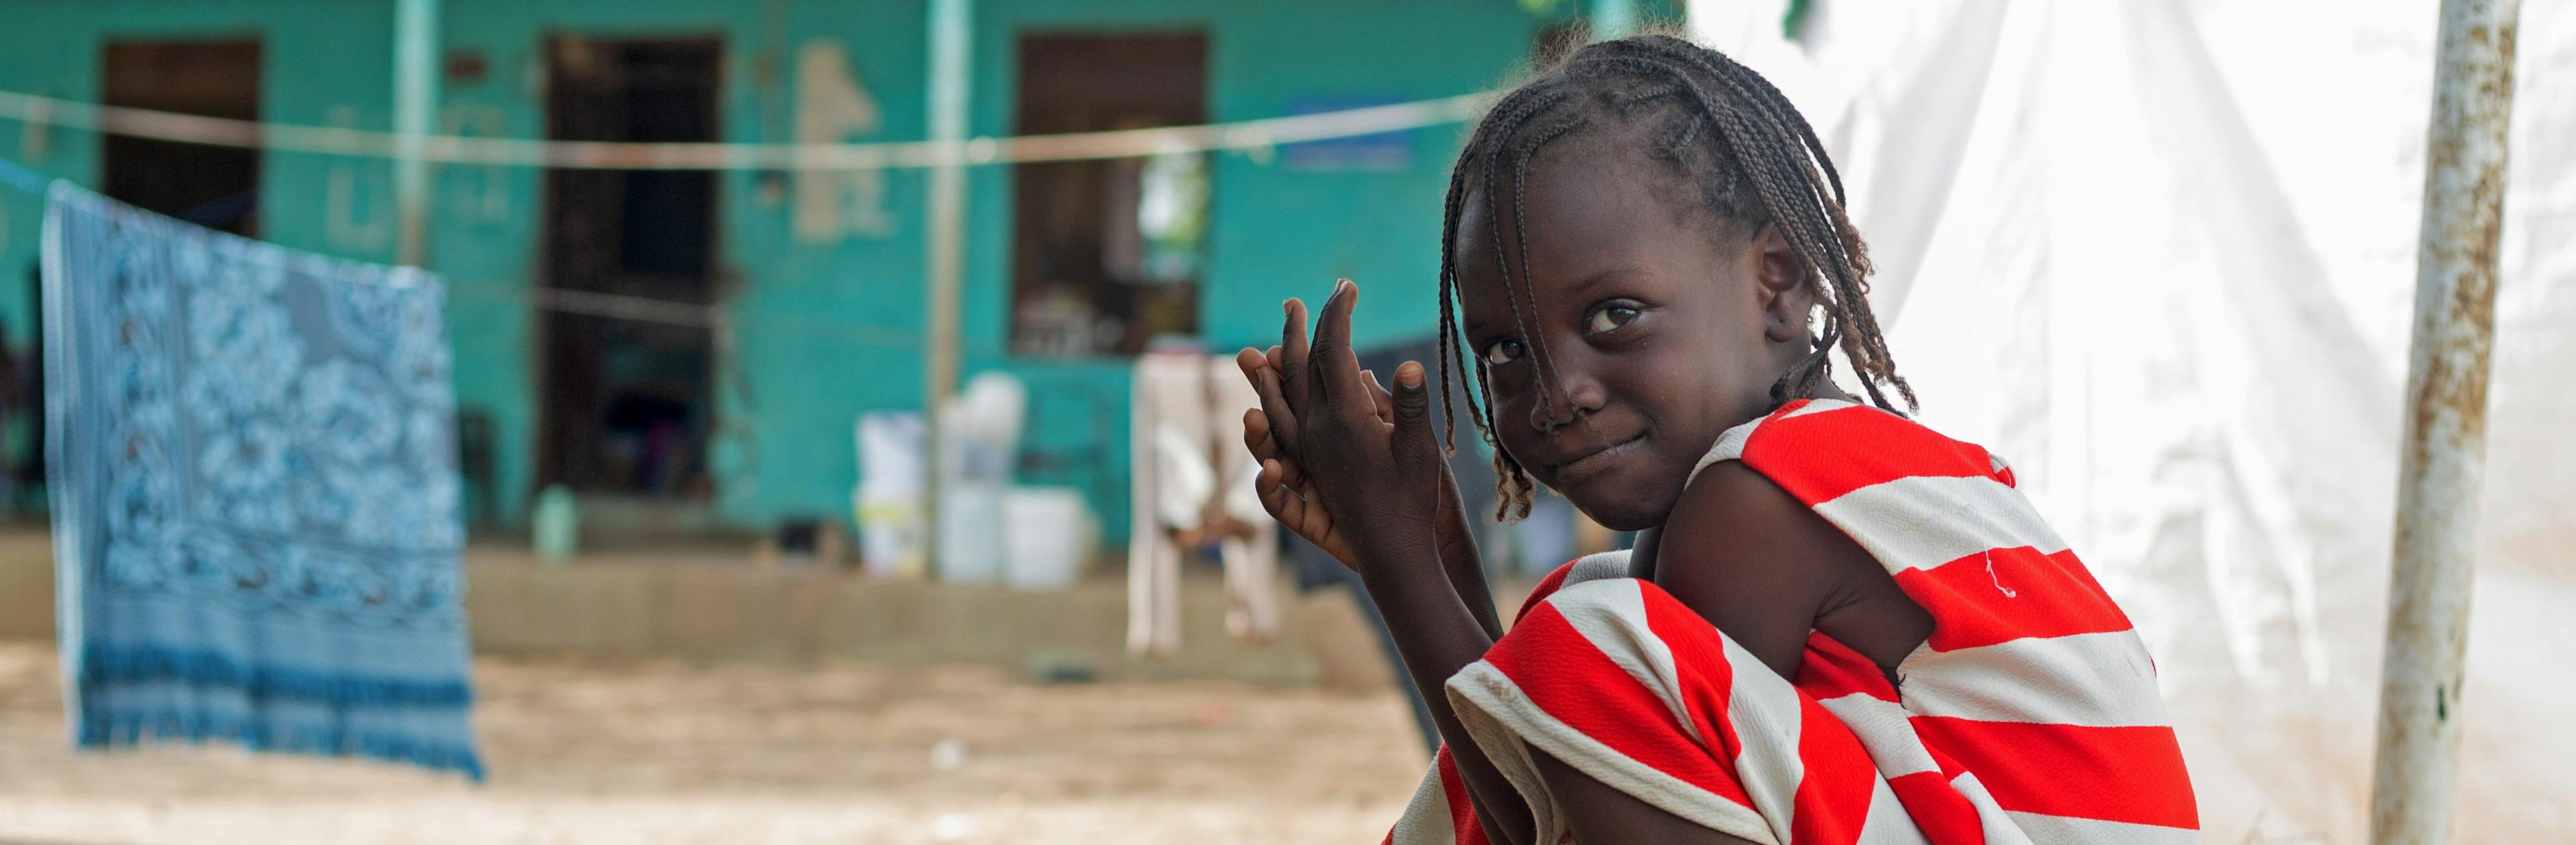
1781,280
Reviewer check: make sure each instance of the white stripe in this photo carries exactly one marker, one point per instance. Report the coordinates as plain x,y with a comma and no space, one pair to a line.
1764,711
1596,566
2069,830
1611,615
1504,722
1999,827
1818,406
1923,521
1887,822
1730,445
1885,731
2093,680
1426,819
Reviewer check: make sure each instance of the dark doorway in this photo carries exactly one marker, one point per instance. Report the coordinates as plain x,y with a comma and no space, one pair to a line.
211,186
1105,254
627,403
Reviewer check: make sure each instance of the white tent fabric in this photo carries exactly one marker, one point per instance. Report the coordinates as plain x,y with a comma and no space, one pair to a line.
2161,254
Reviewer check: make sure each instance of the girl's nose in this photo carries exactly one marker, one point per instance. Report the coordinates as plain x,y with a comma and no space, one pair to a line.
1578,393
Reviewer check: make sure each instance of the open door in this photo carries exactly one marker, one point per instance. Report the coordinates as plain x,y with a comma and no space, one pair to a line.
627,404
211,186
1106,254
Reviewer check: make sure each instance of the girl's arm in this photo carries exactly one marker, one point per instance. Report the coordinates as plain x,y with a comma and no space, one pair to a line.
1437,637
1765,569
1599,813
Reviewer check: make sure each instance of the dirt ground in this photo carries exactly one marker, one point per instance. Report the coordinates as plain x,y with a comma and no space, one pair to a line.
664,752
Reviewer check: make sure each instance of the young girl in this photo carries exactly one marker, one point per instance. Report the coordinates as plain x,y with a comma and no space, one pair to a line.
1837,626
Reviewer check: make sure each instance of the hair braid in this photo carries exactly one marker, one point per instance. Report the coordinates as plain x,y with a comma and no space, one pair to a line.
1529,285
1453,357
1448,349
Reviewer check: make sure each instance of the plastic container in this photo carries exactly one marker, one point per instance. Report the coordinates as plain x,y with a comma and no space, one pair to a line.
556,525
1050,535
971,534
979,439
888,503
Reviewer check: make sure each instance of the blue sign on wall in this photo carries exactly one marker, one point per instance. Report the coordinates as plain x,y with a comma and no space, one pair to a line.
1379,153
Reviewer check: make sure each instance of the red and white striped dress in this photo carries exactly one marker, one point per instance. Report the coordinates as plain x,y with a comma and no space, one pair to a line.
2031,715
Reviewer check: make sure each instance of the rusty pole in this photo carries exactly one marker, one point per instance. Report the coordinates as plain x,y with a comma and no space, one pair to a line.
2445,445
415,106
951,36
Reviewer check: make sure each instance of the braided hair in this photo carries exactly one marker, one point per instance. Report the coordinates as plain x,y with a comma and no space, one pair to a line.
1751,158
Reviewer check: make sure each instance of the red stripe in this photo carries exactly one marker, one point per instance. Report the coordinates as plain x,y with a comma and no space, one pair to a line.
1546,587
1701,672
1831,670
2129,774
1561,672
1950,767
1834,795
1462,812
2050,595
1821,456
1944,815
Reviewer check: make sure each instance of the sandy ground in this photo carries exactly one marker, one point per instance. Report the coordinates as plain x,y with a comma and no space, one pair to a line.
669,753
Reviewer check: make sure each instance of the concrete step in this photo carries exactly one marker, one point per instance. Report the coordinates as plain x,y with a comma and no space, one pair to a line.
711,605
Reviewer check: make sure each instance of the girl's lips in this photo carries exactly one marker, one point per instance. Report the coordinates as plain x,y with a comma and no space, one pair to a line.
1597,461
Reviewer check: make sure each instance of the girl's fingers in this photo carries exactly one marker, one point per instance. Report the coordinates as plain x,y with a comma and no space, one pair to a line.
1256,435
1275,497
1277,418
1292,355
1334,367
1378,393
1250,361
1265,448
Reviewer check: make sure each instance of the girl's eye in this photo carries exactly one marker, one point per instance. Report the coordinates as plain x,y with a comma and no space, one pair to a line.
1502,352
1609,318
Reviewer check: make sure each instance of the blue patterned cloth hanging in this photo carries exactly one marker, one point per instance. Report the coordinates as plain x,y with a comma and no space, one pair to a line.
255,489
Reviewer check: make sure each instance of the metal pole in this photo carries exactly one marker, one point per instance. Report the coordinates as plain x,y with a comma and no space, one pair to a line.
415,104
2446,407
950,28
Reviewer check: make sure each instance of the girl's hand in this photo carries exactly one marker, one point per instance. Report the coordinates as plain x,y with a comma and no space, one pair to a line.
1291,499
1347,464
1283,488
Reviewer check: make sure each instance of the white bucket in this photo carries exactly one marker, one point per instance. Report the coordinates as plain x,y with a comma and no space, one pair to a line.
972,548
888,503
1050,535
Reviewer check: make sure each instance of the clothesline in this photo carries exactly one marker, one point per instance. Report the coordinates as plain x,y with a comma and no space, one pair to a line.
612,155
611,305
20,177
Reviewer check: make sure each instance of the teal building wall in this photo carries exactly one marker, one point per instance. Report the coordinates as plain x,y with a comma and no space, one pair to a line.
823,332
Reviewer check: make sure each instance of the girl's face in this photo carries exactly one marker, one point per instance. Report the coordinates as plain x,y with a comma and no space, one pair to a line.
1662,329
